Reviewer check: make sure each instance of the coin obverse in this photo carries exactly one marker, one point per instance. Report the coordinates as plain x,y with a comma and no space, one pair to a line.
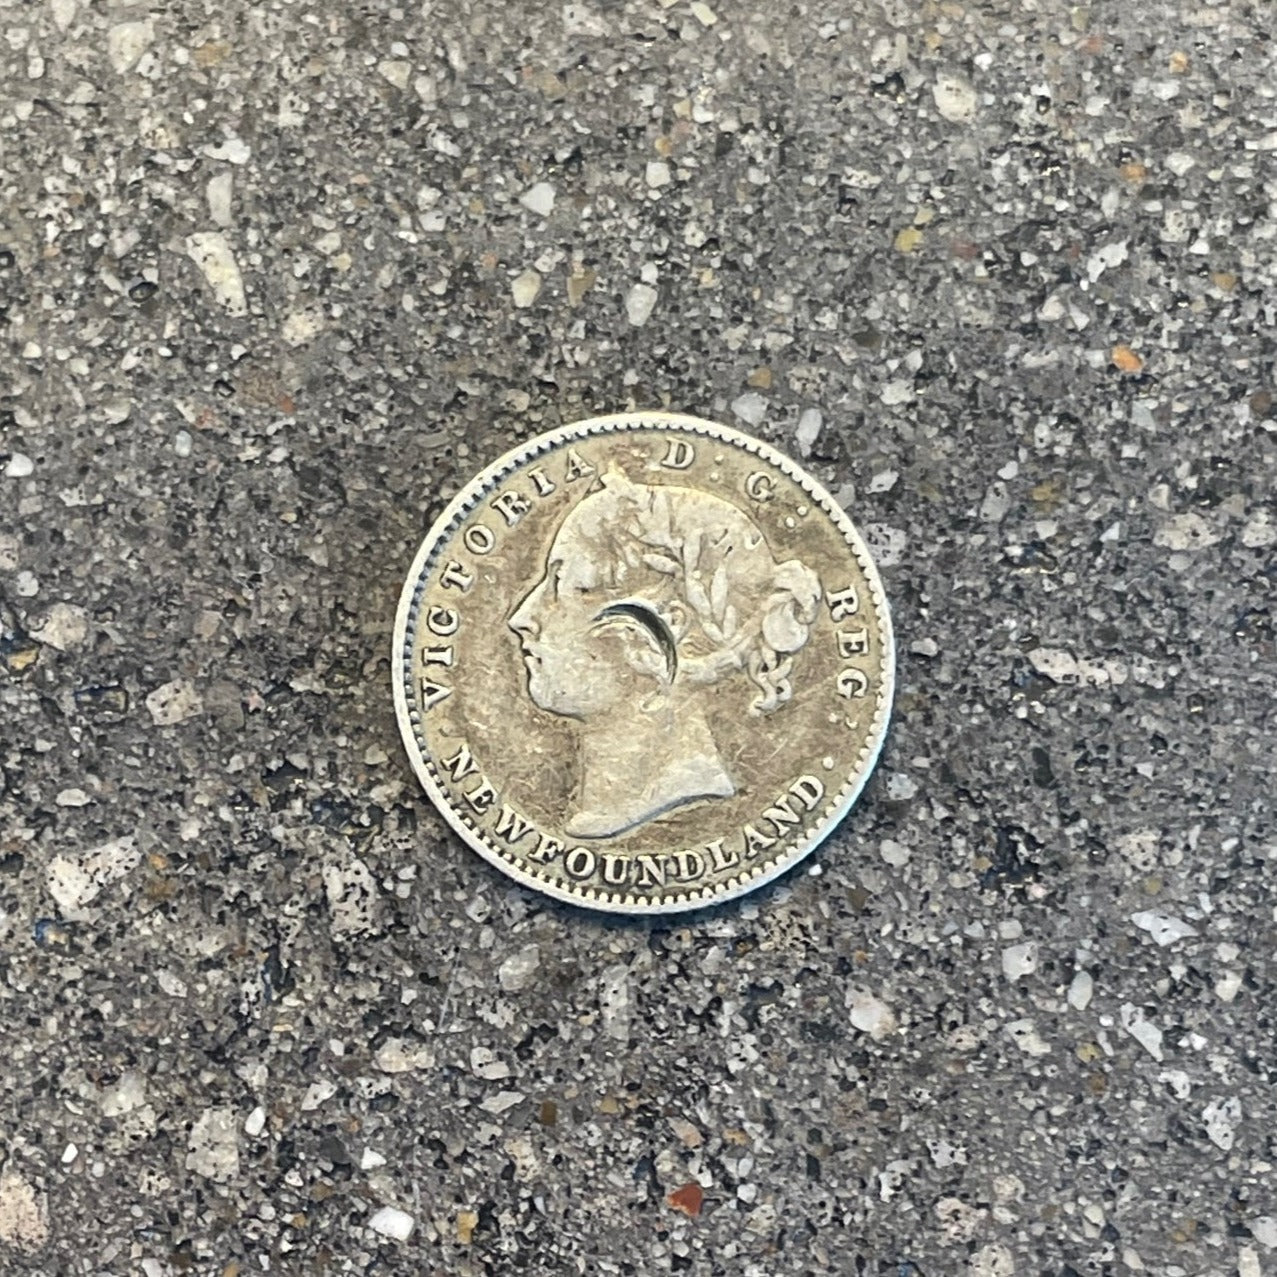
643,663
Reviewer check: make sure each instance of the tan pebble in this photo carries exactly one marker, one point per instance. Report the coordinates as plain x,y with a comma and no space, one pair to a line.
210,53
1126,360
579,283
908,239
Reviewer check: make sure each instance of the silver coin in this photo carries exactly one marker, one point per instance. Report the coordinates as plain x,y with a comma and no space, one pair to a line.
643,663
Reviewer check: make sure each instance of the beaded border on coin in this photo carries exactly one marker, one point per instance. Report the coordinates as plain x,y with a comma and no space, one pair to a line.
795,849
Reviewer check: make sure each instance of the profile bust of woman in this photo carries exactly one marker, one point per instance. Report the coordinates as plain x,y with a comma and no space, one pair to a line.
654,598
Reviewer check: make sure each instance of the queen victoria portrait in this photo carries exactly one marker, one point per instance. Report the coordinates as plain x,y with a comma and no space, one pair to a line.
655,599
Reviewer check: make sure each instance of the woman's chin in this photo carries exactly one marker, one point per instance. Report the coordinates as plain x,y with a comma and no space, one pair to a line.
552,701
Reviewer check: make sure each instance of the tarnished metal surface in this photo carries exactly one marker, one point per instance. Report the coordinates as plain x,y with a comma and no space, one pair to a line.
643,663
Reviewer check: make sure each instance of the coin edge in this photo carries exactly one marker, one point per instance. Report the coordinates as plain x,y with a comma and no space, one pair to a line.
833,813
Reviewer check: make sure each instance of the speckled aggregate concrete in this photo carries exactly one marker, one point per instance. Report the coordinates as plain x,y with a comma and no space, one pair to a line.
278,279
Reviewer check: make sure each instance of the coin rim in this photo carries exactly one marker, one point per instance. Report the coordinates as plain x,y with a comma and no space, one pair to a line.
402,654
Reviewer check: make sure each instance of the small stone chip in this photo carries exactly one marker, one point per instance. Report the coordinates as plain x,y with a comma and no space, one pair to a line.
213,1148
1221,1119
538,199
993,1260
393,1223
908,239
467,1222
871,1015
580,281
1163,927
688,1199
954,97
300,326
1080,990
518,971
750,407
1187,531
689,1134
395,71
24,1213
894,853
657,174
1020,960
316,1093
126,42
396,1055
1126,360
174,702
1025,1035
501,1101
211,53
76,881
1144,1031
65,626
354,901
640,301
809,423
210,251
525,288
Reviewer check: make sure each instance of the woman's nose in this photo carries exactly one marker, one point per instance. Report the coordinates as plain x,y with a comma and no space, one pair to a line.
523,622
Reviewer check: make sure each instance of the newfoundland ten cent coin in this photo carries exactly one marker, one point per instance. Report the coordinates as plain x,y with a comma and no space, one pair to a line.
643,663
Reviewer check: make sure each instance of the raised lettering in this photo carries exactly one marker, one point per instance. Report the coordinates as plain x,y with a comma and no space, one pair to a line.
481,797
760,486
545,850
780,813
679,455
461,764
442,621
616,869
721,859
755,841
542,481
511,506
577,466
478,539
511,826
853,642
852,683
651,871
432,693
691,865
436,656
456,577
579,863
844,603
808,790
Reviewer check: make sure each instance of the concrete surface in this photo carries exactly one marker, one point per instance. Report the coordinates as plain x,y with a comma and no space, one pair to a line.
278,278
